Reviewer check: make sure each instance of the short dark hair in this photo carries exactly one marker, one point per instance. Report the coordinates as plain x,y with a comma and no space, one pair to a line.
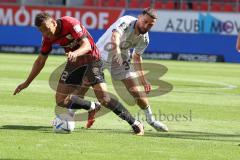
151,12
40,18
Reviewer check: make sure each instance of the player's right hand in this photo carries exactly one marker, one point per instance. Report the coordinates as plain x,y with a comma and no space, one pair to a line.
147,86
72,56
20,87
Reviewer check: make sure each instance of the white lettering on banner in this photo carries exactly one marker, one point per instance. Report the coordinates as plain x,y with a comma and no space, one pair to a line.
103,20
92,17
6,19
76,15
51,12
22,13
198,22
17,49
197,57
69,13
26,16
57,14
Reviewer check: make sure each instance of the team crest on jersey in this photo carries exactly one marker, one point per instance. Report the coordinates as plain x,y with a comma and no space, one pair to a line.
77,28
69,36
123,26
95,70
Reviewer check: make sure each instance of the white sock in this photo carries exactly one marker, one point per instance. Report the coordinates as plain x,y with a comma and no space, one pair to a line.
136,123
148,114
93,106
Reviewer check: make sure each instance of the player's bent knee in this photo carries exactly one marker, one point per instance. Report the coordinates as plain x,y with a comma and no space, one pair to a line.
104,100
135,92
64,102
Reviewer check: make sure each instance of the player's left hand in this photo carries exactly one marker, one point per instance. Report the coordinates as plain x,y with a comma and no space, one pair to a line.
147,86
20,87
72,56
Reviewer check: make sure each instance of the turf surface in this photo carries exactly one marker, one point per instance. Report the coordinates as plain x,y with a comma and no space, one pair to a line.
205,103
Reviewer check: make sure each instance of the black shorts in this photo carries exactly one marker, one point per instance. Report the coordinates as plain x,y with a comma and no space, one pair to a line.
89,74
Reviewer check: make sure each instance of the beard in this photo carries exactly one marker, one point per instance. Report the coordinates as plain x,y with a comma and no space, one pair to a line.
141,31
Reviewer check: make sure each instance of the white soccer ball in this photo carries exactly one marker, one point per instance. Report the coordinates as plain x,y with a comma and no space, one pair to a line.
63,124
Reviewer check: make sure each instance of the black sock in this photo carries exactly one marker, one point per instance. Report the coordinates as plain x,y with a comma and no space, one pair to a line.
121,111
79,103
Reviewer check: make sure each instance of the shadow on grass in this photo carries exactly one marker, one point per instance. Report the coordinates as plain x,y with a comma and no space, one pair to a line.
24,127
192,135
48,129
13,159
195,135
109,131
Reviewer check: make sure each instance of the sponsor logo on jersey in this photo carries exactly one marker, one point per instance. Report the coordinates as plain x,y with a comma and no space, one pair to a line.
77,28
95,70
123,26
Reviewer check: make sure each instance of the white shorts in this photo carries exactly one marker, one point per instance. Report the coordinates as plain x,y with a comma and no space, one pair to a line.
120,72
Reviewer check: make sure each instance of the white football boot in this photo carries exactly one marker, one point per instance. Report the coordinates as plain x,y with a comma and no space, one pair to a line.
159,126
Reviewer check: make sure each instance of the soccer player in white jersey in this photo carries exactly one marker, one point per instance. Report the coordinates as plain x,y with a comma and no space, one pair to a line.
128,33
115,44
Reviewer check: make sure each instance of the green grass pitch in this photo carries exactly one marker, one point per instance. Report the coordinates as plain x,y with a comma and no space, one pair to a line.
208,92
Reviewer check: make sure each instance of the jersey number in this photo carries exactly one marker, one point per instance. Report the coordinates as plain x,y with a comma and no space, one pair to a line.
126,64
64,76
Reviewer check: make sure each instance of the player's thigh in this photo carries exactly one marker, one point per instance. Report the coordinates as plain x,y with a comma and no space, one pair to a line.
81,91
134,89
95,77
71,78
94,74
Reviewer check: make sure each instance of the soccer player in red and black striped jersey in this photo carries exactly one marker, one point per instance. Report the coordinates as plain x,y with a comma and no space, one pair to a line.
83,66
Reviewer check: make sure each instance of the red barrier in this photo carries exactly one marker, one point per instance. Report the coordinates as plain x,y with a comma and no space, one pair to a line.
90,18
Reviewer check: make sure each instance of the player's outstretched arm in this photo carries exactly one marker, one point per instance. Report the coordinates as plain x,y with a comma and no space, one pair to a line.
37,67
137,59
115,39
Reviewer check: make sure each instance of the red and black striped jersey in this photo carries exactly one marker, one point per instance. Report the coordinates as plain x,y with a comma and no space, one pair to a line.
69,36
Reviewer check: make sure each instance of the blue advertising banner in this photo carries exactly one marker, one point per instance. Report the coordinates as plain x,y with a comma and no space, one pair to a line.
176,43
176,35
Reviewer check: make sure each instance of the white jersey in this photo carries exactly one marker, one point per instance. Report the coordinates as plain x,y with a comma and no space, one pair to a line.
129,40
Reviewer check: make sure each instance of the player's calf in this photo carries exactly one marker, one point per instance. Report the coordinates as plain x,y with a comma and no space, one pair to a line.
124,114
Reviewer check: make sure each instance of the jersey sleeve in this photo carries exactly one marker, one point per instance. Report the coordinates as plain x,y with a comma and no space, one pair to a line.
121,25
46,47
142,45
77,30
